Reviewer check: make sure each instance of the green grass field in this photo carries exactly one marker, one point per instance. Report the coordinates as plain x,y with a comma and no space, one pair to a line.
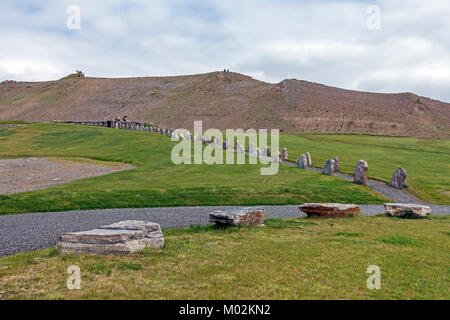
156,181
427,161
288,259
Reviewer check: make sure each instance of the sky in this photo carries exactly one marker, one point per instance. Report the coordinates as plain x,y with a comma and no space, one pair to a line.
380,46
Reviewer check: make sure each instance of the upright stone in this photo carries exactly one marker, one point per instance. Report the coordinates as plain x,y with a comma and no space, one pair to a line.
258,152
399,179
267,151
302,162
308,158
251,149
284,154
329,167
360,173
337,164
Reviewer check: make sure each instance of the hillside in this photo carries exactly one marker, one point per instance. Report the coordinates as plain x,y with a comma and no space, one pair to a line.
226,100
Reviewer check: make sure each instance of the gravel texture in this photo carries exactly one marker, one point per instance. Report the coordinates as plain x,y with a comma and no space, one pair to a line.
26,174
31,231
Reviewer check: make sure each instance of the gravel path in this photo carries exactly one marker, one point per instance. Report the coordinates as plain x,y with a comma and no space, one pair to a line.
396,195
32,231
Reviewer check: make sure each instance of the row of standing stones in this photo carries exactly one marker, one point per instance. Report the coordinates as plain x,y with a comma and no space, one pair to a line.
131,236
127,237
331,166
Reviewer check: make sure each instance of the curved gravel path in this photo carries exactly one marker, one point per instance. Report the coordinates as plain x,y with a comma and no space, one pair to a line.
396,195
32,231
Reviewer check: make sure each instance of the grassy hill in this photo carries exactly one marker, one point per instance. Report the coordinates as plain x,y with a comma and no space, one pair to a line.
156,181
226,100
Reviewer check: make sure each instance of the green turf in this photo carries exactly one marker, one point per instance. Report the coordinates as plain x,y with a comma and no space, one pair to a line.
427,161
299,258
156,181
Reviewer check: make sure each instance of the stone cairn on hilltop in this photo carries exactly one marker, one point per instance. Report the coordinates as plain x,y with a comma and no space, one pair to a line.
360,173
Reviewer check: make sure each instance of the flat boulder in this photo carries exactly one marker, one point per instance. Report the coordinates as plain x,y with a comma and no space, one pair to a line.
122,238
407,211
330,210
235,217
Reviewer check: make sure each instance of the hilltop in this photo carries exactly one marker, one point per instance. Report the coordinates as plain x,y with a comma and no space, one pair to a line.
226,100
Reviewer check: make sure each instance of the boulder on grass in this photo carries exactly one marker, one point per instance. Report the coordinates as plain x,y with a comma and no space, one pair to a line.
407,211
399,179
122,238
330,210
243,217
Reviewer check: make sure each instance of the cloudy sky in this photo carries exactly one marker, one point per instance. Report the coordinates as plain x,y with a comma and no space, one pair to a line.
396,46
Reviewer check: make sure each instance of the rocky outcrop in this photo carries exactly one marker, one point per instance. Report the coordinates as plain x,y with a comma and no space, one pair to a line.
330,209
360,173
243,217
122,238
399,179
407,211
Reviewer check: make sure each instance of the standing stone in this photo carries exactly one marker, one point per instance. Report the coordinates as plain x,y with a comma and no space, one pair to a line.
302,162
225,144
308,156
240,149
337,164
267,151
329,167
236,146
360,173
251,149
277,157
258,152
399,179
284,154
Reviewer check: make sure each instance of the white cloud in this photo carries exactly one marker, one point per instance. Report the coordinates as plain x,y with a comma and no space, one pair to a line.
321,41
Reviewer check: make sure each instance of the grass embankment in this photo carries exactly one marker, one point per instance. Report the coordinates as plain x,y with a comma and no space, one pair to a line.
427,161
156,181
289,259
